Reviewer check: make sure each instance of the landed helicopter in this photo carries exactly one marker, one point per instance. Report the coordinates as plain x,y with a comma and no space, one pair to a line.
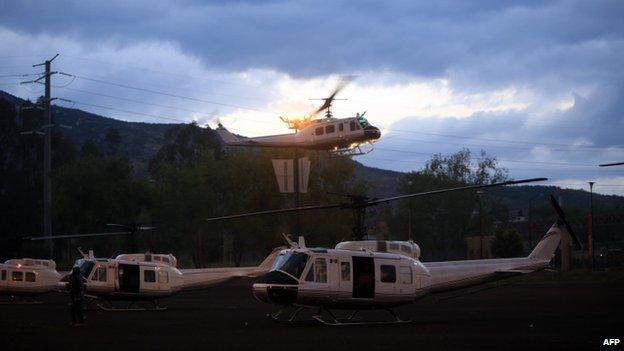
138,280
378,274
146,277
26,277
343,136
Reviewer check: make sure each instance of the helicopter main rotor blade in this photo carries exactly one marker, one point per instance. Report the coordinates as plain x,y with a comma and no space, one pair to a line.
69,236
328,101
281,210
563,219
611,164
441,191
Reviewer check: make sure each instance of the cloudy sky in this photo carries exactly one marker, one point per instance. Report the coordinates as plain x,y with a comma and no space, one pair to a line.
538,84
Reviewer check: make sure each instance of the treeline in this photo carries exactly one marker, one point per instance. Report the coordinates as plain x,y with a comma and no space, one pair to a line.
192,178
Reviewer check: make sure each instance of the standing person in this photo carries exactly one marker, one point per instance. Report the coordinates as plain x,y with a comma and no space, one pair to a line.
76,289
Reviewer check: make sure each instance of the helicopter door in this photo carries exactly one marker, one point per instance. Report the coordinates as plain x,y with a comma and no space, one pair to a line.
363,277
129,275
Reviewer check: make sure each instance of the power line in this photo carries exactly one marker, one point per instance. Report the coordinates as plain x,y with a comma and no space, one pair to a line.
492,146
164,93
491,139
498,159
122,110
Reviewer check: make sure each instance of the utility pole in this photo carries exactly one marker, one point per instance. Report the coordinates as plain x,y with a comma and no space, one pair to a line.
479,194
47,151
590,233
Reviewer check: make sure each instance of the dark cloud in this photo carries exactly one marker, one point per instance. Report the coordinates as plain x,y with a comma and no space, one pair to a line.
490,42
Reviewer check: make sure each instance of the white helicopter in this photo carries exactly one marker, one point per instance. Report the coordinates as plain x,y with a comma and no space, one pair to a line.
147,277
378,274
27,277
144,277
342,136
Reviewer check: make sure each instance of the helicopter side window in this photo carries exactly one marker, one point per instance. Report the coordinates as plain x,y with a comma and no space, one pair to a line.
340,127
163,277
388,273
330,128
406,249
149,276
99,275
30,277
17,276
318,271
406,275
3,275
319,131
352,125
345,271
165,259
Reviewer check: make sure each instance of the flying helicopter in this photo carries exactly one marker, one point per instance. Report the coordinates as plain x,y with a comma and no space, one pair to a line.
342,136
138,280
27,277
378,274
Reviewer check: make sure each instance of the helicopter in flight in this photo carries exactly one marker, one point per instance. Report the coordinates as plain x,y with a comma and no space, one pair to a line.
379,274
27,277
342,136
138,280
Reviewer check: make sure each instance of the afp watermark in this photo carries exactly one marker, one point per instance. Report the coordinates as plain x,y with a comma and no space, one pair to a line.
611,342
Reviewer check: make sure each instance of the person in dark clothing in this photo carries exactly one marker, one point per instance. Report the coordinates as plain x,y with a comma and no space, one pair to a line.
76,288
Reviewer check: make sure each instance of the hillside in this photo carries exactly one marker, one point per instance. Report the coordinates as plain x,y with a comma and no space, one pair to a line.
141,141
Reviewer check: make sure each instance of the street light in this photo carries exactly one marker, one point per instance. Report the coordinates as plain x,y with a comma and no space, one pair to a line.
590,234
479,194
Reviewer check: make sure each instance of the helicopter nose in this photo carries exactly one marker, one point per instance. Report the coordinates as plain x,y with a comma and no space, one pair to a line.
276,287
372,133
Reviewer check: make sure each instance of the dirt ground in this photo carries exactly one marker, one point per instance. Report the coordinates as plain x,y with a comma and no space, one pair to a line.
522,315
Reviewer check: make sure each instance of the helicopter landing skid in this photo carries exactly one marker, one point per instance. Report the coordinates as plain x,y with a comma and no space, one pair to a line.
108,306
354,151
333,321
292,319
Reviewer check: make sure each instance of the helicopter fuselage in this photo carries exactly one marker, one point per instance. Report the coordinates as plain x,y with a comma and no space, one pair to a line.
322,134
28,277
359,278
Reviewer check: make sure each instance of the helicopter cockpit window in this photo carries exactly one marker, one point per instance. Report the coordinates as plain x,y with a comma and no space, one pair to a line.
30,277
388,273
85,268
318,271
163,277
406,274
345,271
319,131
406,249
149,276
99,275
363,122
165,259
330,128
17,276
292,263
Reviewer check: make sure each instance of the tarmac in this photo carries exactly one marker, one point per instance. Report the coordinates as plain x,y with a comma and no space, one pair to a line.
527,316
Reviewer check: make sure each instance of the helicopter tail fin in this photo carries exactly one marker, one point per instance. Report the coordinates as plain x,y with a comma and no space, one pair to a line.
226,136
545,249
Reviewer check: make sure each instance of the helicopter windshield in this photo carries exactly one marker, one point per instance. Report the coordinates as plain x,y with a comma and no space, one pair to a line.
85,267
363,122
291,262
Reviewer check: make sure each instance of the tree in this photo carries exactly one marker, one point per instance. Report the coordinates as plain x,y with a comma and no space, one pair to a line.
507,243
440,222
